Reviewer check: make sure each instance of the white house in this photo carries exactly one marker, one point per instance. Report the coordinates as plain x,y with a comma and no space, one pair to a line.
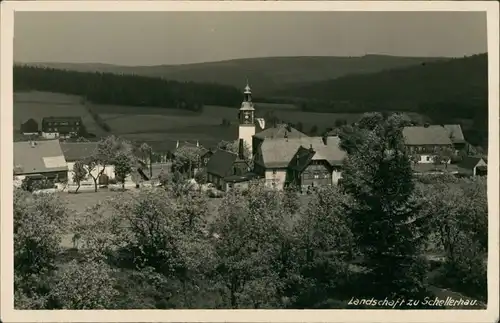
78,151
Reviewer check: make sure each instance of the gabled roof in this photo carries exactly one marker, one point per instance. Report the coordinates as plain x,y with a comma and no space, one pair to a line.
279,131
455,133
430,135
221,163
302,158
74,151
277,153
42,157
470,162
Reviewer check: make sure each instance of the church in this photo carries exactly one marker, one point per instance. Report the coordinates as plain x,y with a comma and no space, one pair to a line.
281,155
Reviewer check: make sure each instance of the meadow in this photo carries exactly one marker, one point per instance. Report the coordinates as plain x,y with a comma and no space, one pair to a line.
161,127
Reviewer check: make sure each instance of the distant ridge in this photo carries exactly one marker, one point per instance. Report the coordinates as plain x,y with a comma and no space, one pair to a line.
266,74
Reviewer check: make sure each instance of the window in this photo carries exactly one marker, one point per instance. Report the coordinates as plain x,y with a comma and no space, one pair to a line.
428,158
316,175
274,171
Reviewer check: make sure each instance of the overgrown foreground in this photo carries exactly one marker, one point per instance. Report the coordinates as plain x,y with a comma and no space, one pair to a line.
160,248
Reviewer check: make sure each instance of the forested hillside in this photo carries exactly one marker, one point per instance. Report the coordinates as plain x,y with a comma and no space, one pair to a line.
127,90
444,91
266,74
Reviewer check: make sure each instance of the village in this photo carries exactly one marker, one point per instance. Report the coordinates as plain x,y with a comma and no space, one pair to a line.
278,155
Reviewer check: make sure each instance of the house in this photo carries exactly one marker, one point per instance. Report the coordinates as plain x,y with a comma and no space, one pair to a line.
207,155
456,135
79,151
427,141
283,161
473,166
227,170
40,159
276,131
63,127
30,127
309,169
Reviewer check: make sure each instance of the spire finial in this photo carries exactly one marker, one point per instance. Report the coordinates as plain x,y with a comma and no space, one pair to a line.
247,88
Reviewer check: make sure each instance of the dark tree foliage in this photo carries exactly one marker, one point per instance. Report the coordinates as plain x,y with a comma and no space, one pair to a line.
443,90
131,90
378,175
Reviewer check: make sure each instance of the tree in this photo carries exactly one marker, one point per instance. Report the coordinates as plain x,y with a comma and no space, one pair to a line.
145,153
340,122
234,147
384,218
458,218
250,240
187,159
123,167
443,156
79,173
167,233
314,130
39,223
299,126
83,285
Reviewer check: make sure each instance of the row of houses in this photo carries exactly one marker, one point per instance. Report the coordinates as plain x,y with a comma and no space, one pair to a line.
54,127
54,160
281,155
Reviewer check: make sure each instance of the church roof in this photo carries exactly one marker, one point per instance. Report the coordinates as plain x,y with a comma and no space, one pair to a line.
279,152
279,131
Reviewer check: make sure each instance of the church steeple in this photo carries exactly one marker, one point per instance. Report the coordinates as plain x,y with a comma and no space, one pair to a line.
246,118
248,93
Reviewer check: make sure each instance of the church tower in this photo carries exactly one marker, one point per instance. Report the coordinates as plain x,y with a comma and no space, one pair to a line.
246,120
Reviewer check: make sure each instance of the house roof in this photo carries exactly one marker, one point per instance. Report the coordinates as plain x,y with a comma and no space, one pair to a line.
455,133
279,152
240,178
221,163
58,119
279,131
430,135
74,151
302,158
41,157
469,162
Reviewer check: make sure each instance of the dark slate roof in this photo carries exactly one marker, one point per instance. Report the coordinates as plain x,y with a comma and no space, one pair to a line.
58,119
221,163
455,133
277,153
302,158
45,156
240,178
74,151
431,135
469,162
279,131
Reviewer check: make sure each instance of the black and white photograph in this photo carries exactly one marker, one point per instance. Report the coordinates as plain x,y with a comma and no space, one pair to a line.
245,159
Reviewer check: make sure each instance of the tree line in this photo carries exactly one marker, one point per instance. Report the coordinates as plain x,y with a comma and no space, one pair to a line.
128,90
164,248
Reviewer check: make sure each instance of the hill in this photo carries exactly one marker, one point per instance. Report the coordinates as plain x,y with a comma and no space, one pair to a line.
443,90
127,90
266,74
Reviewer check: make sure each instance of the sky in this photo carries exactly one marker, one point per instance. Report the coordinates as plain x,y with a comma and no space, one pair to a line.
155,38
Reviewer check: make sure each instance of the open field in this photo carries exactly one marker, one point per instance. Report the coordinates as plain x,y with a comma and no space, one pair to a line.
37,105
161,127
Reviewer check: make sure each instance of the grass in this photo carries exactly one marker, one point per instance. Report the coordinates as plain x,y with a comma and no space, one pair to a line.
37,105
159,125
